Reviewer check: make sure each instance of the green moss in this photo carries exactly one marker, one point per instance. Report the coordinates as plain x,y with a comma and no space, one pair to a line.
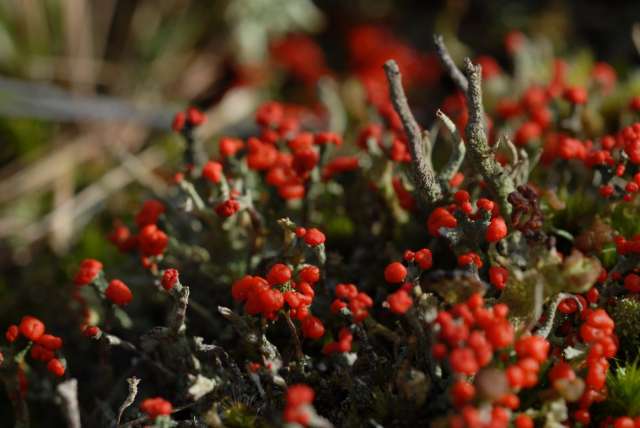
626,314
624,390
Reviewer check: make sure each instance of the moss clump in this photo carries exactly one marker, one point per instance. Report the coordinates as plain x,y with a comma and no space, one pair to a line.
626,314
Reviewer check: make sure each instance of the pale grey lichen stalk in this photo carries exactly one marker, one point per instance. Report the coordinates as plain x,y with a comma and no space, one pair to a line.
428,189
482,157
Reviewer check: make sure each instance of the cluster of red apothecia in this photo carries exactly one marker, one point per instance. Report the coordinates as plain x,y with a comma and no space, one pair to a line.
44,346
151,241
268,296
298,399
472,337
116,291
487,210
155,407
400,301
283,152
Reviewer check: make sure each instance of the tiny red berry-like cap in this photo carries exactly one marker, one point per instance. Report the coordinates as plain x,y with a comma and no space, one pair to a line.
195,116
50,342
155,407
399,302
395,273
169,279
12,333
89,269
496,230
178,121
228,208
314,237
91,331
56,367
212,171
278,274
118,292
310,274
312,327
31,328
152,241
299,394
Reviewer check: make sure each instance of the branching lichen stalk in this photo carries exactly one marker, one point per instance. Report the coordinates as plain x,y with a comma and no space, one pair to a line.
452,69
457,154
429,191
481,155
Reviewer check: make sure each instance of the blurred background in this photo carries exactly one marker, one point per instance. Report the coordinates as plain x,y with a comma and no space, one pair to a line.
88,90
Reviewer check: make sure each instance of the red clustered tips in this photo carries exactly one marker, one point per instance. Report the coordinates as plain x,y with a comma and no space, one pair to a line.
87,272
152,241
314,237
348,296
498,277
496,230
212,172
301,56
286,155
470,258
118,293
149,213
44,345
268,296
31,328
191,117
342,345
399,302
169,279
440,218
227,208
155,407
470,333
443,218
395,273
297,401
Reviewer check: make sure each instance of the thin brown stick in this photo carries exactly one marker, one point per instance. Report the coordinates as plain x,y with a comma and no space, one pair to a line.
429,191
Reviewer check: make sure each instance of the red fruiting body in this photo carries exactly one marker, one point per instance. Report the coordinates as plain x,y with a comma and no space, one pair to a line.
195,117
423,258
278,274
462,392
31,328
149,213
155,407
312,327
12,333
152,241
169,279
498,277
56,367
632,283
228,208
395,273
575,95
212,171
299,394
91,331
118,292
496,230
399,302
50,342
314,237
440,218
179,121
310,274
88,271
